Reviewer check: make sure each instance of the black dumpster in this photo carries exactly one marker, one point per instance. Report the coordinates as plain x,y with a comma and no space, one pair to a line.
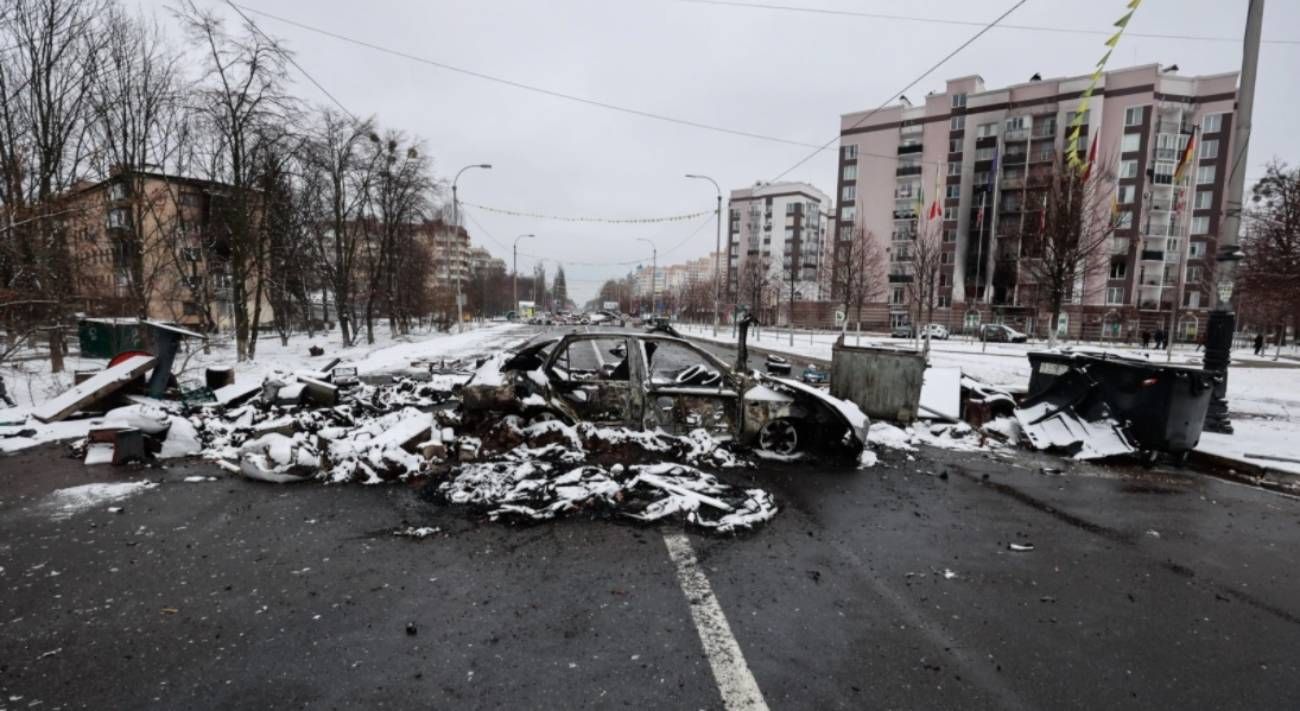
1161,407
106,337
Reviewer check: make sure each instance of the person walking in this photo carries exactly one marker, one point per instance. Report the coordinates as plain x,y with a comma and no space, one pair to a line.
1146,339
1259,343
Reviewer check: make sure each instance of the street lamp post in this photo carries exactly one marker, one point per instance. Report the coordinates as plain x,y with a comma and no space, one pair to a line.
1222,322
717,253
654,273
515,271
455,235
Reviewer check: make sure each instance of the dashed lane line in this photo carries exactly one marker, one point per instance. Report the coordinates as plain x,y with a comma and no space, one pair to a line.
735,681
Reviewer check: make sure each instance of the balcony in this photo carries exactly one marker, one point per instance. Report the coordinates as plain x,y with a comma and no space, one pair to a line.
1016,134
1151,255
1042,157
904,214
1167,154
1017,158
904,170
1013,183
909,148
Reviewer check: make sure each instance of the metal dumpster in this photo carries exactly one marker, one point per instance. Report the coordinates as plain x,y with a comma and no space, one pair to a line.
1162,407
884,382
106,337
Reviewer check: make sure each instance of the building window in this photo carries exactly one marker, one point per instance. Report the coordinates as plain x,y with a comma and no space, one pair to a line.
1195,250
851,172
958,101
849,193
789,208
943,301
1212,123
950,213
1126,193
1210,148
117,191
1204,199
1115,295
1128,169
1118,269
1015,123
1192,300
896,295
1200,225
954,191
1205,175
1194,274
954,169
1124,221
957,123
1070,116
849,152
1133,115
985,130
954,145
985,153
117,218
1130,143
848,213
950,235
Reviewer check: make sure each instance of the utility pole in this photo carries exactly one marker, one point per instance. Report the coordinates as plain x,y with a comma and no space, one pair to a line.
514,270
455,239
717,254
1222,323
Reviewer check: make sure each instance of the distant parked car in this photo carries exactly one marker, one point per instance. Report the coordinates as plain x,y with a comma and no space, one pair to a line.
1000,333
777,364
814,375
902,330
936,331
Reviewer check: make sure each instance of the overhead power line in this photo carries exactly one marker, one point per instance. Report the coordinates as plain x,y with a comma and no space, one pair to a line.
526,87
895,96
973,23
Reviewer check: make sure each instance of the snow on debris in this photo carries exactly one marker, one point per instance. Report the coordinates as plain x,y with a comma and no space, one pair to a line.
65,503
543,490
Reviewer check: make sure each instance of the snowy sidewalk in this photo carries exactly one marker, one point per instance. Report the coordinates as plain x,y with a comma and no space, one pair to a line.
31,383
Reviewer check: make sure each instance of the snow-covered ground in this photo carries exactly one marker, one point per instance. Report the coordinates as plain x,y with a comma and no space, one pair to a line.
31,383
1263,393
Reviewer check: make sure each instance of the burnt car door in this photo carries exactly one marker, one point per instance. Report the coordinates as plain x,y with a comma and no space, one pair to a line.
687,389
594,377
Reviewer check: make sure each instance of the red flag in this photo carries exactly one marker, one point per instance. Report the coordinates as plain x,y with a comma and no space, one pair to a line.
935,210
1042,214
1092,158
1189,153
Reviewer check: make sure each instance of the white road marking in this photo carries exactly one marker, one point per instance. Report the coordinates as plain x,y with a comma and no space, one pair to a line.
735,682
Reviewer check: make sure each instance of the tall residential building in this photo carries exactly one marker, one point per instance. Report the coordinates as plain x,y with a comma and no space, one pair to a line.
998,147
775,228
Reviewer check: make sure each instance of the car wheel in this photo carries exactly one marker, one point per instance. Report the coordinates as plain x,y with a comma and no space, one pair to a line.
779,436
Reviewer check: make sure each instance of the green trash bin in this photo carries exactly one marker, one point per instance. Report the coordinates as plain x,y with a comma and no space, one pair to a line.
106,337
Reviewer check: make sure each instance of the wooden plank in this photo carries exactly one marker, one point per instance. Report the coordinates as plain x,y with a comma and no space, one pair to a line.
175,329
105,383
235,392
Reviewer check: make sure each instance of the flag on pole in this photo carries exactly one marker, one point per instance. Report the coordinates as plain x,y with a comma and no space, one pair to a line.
936,209
1092,158
1042,217
1189,153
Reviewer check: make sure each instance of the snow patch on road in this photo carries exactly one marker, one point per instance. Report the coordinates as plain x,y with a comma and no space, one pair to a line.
66,503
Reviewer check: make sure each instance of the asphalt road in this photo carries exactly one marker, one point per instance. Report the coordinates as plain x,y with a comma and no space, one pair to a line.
891,587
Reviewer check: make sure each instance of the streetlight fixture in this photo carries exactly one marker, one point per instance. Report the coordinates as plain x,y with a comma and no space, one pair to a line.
455,235
515,270
654,273
717,253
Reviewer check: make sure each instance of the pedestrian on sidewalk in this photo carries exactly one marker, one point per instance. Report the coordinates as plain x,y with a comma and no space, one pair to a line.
1146,339
1259,343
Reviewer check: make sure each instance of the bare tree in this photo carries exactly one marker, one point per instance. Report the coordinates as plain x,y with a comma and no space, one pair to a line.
242,104
857,274
138,124
1269,276
47,64
1068,247
400,196
923,265
755,289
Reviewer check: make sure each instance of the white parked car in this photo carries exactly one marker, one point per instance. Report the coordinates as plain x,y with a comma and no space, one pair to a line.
936,332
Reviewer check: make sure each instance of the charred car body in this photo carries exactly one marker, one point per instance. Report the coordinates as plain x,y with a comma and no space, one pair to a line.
654,381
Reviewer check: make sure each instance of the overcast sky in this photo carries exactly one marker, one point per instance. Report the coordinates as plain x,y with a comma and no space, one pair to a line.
773,72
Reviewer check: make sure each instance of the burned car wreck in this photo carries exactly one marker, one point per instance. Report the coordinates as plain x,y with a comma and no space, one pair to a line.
652,381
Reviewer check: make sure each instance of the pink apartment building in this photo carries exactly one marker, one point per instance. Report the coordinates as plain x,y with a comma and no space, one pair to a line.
994,147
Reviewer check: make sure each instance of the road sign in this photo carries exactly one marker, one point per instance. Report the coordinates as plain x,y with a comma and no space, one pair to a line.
840,318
